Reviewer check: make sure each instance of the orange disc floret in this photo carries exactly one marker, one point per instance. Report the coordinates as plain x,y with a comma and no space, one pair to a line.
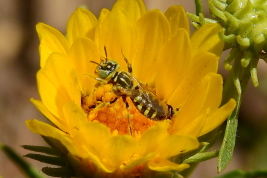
121,117
114,115
115,112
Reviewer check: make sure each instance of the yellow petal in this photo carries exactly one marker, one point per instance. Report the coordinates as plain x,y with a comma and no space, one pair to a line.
205,62
94,136
58,122
152,138
81,53
166,165
173,62
175,144
81,23
63,76
77,120
52,98
50,131
195,102
119,149
74,116
139,161
102,16
117,32
206,38
51,40
133,9
57,84
218,117
214,95
97,162
89,136
177,18
192,128
98,132
153,33
202,102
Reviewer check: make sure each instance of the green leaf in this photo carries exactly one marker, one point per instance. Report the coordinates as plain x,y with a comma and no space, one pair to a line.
199,157
230,91
20,162
214,135
227,148
58,172
242,174
56,144
41,149
58,161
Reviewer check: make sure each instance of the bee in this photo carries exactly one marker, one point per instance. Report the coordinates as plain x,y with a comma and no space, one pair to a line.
124,84
147,103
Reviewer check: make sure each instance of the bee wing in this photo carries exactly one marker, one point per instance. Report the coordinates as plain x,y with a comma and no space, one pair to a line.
144,92
141,85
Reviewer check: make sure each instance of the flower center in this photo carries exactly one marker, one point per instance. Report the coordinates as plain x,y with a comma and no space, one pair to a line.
119,113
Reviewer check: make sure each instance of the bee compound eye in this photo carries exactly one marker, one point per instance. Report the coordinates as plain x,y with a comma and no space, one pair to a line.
103,73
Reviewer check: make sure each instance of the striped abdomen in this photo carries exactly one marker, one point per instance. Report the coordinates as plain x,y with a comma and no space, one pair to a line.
150,106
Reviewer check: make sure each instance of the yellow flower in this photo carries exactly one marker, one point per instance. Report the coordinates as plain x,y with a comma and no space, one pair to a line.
105,134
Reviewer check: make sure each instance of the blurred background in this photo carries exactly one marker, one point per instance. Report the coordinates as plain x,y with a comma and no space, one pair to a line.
19,62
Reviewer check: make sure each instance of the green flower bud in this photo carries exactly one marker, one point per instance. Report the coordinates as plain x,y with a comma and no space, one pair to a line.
245,31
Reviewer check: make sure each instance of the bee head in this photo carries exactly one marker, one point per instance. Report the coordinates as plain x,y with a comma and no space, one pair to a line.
107,68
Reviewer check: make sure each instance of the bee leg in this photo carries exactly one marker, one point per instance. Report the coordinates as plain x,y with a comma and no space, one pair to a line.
170,112
129,66
98,79
118,90
124,100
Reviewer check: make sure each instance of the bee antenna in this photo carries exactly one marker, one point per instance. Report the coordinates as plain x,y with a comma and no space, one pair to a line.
95,62
105,49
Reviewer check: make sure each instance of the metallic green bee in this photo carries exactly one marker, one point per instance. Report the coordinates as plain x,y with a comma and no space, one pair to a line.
124,84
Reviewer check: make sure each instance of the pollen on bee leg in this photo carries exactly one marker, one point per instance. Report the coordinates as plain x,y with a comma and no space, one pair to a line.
105,93
87,102
101,95
109,97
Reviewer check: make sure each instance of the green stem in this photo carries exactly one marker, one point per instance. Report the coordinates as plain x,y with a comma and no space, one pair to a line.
199,7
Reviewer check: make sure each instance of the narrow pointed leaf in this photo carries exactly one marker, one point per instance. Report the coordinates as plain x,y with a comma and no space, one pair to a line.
58,161
212,141
228,145
58,172
243,174
199,157
227,148
55,144
41,149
